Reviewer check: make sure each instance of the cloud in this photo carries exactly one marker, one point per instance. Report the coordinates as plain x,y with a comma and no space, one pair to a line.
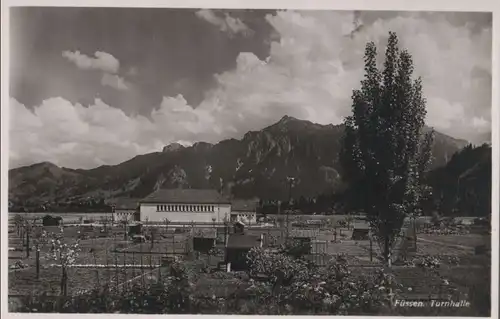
73,135
310,73
227,24
103,61
114,81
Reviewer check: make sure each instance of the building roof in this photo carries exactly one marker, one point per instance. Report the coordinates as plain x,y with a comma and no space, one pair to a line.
239,223
364,226
302,233
186,196
124,203
241,205
243,241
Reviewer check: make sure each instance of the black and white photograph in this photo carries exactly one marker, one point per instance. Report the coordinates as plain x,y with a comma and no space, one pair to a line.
166,160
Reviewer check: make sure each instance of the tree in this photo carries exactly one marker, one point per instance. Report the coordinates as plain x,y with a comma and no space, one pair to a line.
39,240
18,222
152,233
63,253
385,151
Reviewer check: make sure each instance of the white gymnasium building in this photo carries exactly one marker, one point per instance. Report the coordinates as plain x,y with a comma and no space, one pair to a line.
185,206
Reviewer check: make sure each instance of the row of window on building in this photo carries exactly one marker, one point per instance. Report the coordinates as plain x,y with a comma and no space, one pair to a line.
185,208
124,213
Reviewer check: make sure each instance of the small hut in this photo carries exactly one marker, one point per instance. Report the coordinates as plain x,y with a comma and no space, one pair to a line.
237,247
361,231
239,227
49,220
204,240
135,229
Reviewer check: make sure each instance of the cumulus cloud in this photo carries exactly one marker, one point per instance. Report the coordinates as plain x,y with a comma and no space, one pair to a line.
310,73
226,24
114,81
102,61
73,135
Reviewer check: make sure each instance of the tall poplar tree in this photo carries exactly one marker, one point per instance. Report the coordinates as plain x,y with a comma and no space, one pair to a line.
385,150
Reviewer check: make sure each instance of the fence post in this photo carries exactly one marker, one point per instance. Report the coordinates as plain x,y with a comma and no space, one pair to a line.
116,273
371,250
125,268
37,263
27,243
133,264
142,272
159,269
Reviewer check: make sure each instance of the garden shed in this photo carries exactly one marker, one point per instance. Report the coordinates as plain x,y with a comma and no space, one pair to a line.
49,220
361,231
135,229
237,248
204,240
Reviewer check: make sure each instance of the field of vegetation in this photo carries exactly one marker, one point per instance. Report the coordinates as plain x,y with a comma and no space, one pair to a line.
122,267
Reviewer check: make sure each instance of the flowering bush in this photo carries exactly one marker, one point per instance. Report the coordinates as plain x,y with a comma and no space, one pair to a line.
335,290
428,262
299,287
64,254
275,266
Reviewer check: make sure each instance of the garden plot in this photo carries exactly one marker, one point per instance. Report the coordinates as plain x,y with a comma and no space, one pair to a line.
469,240
434,249
25,282
348,247
94,253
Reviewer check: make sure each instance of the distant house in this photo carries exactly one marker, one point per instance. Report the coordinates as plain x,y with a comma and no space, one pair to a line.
125,209
185,206
244,210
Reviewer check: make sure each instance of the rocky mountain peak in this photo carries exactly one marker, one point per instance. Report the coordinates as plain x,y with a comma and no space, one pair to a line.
172,147
291,124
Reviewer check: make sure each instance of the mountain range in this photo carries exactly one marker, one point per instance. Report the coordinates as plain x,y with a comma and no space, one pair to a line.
463,185
255,166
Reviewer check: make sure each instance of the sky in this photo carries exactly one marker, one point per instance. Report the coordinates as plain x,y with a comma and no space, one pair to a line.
98,86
